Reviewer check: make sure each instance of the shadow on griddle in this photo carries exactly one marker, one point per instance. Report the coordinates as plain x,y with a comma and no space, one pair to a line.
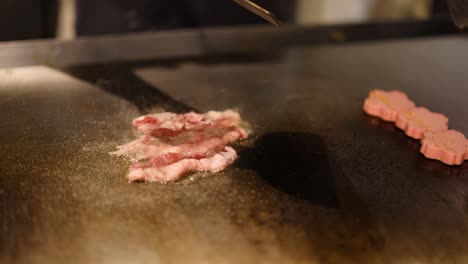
294,163
119,80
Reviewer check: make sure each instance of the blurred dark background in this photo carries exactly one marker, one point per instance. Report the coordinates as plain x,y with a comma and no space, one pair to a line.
27,19
33,19
142,15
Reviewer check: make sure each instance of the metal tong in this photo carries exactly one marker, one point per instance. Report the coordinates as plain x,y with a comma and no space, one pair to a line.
259,11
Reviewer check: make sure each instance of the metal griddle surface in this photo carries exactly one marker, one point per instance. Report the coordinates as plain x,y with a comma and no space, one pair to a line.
320,182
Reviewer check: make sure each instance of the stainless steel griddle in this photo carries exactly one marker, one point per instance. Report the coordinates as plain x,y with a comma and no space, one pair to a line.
319,182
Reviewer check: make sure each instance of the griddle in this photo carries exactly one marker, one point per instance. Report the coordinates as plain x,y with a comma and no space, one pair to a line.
319,181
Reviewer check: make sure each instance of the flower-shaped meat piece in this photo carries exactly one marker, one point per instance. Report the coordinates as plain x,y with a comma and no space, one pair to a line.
387,105
419,120
449,146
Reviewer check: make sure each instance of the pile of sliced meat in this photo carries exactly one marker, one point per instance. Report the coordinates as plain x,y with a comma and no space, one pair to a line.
172,145
437,141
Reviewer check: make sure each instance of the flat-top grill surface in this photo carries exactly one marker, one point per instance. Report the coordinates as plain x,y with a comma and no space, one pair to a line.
319,182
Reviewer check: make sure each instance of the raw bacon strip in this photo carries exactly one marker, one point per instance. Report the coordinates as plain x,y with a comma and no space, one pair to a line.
184,150
226,118
449,146
387,105
172,144
170,124
174,171
147,144
419,120
159,161
148,147
139,147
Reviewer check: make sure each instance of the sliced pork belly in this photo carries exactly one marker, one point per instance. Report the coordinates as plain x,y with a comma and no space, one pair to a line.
170,124
148,147
174,144
164,173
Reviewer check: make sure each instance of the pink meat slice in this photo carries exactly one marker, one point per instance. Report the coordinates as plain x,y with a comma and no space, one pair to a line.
149,147
174,144
387,105
214,163
161,160
419,120
170,124
138,148
448,146
439,143
466,150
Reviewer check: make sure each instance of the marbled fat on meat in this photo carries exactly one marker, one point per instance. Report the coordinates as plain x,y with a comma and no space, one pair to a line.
147,146
174,171
173,145
170,123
